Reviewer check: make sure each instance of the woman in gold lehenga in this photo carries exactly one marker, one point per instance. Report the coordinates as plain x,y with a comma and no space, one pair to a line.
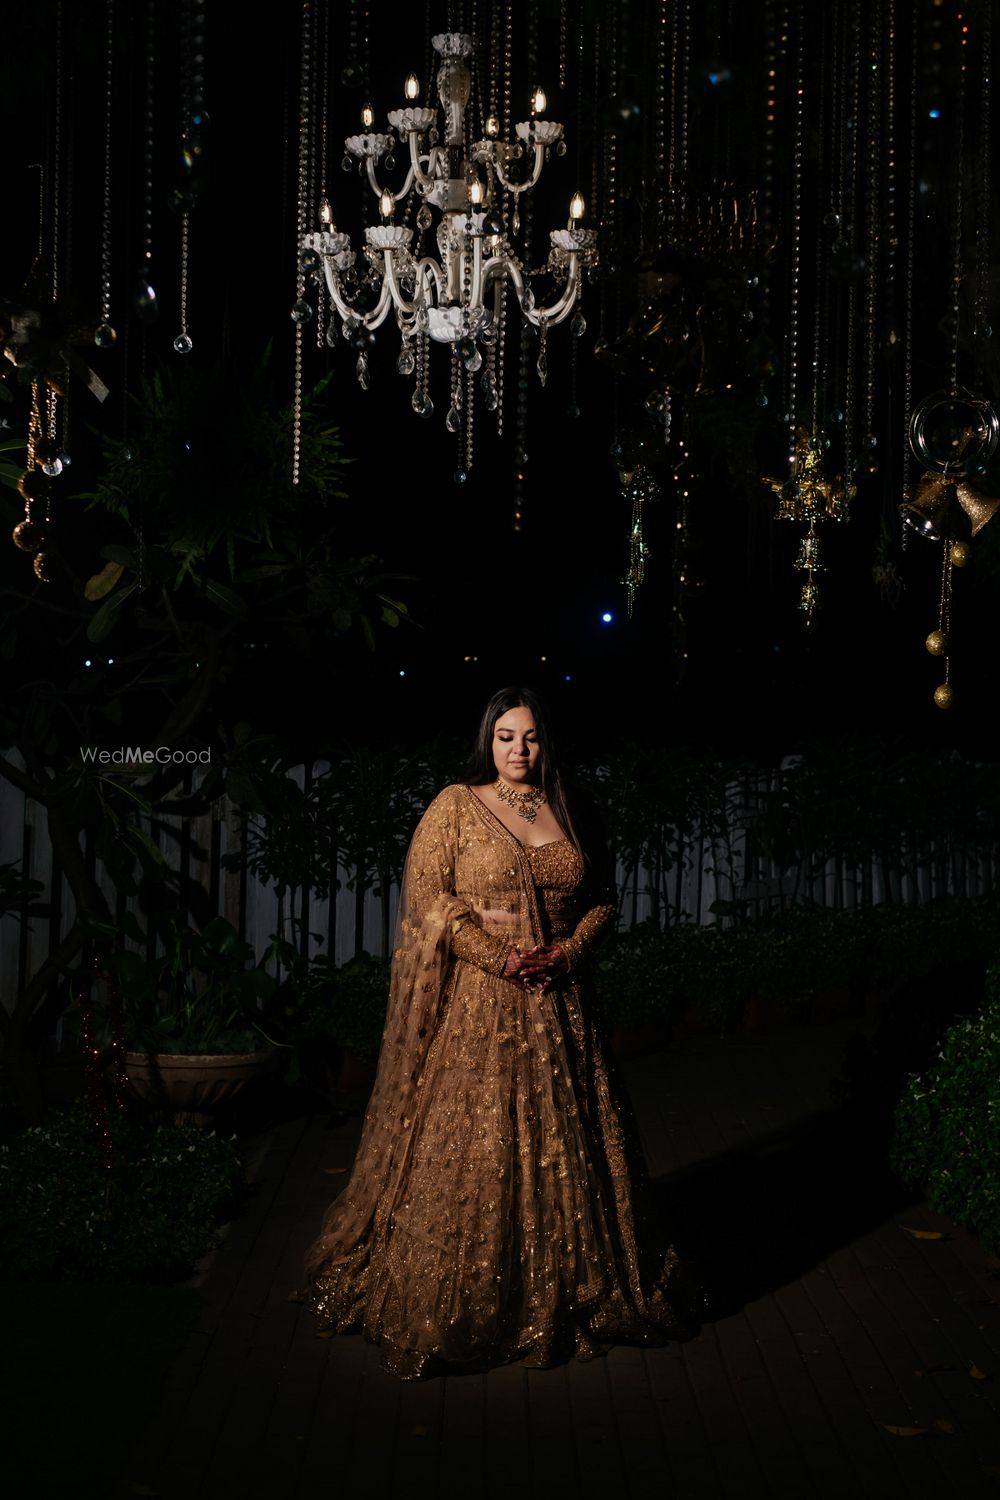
489,1215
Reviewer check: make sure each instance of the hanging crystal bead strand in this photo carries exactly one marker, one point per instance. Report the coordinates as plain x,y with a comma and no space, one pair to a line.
301,310
982,332
911,210
873,231
319,194
104,334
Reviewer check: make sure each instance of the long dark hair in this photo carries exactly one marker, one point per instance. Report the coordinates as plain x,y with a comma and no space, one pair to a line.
571,815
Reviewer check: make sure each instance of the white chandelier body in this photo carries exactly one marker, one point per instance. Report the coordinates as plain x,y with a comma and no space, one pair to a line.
458,298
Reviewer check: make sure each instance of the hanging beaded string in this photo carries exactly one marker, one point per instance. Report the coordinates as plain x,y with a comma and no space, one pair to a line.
104,334
791,344
820,289
93,1071
183,343
301,310
767,176
982,331
319,185
958,169
682,123
848,233
911,220
659,119
502,68
524,352
55,170
874,230
145,296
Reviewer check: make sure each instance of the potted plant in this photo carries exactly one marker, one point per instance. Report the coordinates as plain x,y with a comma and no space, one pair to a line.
193,1015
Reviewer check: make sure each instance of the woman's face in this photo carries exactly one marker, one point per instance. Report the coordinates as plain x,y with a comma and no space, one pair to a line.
516,751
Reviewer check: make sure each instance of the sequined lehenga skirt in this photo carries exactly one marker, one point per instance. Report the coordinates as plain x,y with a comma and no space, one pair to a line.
507,1228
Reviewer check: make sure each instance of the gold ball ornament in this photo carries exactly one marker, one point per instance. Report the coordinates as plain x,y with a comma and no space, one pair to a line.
937,643
28,535
960,554
944,697
41,566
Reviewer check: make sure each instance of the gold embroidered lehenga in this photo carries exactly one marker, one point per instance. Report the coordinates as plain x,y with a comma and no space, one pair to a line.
489,1215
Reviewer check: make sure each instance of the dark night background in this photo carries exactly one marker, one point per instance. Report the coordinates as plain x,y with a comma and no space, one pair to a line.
525,606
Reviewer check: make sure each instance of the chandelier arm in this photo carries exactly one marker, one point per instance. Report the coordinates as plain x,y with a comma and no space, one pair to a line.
427,264
349,314
424,179
333,287
373,180
522,187
560,309
476,292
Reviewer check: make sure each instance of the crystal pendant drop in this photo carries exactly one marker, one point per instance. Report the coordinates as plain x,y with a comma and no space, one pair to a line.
424,217
53,467
422,403
406,362
515,222
543,367
309,260
578,327
346,164
527,300
488,334
362,369
331,332
461,476
104,336
183,343
474,361
453,419
491,396
302,311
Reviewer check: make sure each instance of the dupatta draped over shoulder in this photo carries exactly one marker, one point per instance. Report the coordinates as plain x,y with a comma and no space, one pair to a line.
489,1214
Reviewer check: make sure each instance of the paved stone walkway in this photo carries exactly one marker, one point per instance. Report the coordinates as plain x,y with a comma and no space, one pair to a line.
835,1324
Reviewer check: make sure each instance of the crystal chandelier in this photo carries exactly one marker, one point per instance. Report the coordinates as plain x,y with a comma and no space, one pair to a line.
459,299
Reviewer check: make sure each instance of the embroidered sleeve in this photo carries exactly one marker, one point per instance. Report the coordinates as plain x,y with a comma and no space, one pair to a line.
591,927
431,888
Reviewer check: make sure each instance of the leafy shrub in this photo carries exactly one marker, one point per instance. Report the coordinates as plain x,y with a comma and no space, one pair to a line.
155,1214
947,1123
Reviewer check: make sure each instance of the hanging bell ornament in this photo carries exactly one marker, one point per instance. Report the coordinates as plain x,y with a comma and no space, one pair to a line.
960,554
978,507
927,511
944,697
937,643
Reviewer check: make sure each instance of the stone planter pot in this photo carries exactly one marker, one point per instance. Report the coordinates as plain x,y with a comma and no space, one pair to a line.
191,1088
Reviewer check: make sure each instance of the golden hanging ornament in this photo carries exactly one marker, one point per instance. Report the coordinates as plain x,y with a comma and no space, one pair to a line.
638,486
937,643
809,495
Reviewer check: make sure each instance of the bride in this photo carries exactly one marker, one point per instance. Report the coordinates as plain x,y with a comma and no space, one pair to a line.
489,1216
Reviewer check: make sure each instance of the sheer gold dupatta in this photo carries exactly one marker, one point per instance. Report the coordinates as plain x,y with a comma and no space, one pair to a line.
429,920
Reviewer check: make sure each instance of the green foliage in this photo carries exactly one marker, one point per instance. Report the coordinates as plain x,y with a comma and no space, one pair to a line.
323,1003
644,974
202,995
947,1123
154,1214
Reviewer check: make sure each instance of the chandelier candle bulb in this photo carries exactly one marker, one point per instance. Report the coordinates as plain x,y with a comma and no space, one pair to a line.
539,102
454,298
367,116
